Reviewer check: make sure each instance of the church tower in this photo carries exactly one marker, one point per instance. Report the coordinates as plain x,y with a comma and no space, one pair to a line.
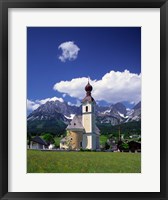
88,120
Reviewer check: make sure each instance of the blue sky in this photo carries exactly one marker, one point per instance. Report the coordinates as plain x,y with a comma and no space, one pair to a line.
59,59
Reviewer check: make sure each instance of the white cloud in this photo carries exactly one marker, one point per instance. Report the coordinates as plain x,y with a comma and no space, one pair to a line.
64,95
33,105
69,51
113,87
73,88
78,103
70,104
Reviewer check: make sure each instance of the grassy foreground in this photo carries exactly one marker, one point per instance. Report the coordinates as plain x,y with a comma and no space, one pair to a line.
82,162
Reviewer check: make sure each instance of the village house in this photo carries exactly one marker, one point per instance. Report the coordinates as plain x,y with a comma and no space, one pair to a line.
38,143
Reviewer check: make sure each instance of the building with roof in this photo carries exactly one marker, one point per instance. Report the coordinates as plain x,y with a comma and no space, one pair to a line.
38,143
82,132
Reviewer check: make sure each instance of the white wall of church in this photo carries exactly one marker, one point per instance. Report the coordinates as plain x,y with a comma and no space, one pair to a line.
86,119
89,144
87,141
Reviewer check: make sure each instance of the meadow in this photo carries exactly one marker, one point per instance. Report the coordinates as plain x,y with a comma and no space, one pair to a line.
82,162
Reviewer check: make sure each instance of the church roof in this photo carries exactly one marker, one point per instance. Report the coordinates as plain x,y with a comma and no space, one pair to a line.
97,130
39,140
76,123
88,98
63,140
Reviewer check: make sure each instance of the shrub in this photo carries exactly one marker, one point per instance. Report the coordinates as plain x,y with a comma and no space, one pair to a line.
125,146
88,150
107,146
82,149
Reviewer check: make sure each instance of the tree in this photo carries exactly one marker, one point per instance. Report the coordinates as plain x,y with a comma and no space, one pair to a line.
29,139
48,138
125,146
107,146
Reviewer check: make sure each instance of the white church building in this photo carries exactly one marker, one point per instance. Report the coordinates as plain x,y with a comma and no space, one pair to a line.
82,131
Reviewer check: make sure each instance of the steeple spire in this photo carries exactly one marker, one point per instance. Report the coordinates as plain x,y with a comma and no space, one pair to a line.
88,89
88,79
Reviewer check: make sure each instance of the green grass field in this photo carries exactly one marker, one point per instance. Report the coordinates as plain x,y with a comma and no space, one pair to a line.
82,162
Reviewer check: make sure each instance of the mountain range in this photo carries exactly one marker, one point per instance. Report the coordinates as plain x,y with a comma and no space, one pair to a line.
54,116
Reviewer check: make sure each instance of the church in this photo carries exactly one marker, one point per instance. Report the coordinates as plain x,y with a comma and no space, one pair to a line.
82,131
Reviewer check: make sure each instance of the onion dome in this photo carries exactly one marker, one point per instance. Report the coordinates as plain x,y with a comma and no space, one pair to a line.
88,87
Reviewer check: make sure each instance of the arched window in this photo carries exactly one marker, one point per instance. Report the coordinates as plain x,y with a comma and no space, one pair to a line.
86,108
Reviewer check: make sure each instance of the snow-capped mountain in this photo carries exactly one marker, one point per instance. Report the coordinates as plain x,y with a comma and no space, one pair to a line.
56,113
135,113
115,114
52,117
54,110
